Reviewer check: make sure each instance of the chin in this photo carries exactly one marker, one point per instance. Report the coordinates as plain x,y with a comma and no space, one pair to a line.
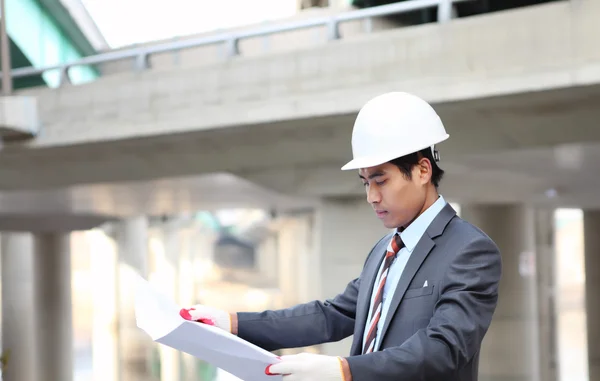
390,224
394,224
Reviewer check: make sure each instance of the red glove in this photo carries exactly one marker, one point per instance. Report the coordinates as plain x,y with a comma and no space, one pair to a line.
207,315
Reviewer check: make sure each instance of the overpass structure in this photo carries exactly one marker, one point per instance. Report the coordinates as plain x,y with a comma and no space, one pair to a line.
176,127
513,81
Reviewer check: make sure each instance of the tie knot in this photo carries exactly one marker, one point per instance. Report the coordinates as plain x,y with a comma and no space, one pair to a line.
397,243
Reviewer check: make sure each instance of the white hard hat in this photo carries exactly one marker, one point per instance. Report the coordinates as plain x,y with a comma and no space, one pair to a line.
393,125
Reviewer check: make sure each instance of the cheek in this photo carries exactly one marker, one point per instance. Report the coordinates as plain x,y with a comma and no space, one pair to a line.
401,198
396,197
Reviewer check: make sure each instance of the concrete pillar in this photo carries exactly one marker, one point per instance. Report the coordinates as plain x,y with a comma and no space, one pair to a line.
268,261
510,349
546,286
53,311
133,244
345,232
105,336
591,227
200,246
36,306
136,349
166,251
296,261
188,247
18,333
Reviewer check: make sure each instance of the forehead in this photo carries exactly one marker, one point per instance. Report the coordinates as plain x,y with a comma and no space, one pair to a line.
380,170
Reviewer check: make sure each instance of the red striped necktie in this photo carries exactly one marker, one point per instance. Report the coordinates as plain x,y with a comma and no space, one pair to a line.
396,245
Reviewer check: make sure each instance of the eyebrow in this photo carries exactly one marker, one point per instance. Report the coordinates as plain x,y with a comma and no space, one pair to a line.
373,175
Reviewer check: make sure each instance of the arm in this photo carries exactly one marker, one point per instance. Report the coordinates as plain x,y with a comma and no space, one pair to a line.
302,325
305,324
469,294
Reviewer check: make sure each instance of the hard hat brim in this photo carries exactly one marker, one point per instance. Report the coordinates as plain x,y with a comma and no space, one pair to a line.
373,161
366,162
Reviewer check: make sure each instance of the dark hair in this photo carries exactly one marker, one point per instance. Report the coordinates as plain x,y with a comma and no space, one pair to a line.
407,162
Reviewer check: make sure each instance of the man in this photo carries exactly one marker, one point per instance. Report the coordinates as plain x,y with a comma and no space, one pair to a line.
427,292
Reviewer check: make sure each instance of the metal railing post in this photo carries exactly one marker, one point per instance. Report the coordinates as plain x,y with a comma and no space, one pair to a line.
233,47
368,25
333,29
141,62
445,11
7,85
63,77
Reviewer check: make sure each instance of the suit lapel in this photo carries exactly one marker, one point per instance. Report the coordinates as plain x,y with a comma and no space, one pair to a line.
420,252
364,302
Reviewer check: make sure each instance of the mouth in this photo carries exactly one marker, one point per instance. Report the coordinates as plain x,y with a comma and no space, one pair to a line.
381,213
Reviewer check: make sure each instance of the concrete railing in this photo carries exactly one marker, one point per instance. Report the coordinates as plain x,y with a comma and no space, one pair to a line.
230,40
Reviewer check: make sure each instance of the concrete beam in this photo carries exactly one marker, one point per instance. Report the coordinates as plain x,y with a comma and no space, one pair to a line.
48,223
18,117
303,151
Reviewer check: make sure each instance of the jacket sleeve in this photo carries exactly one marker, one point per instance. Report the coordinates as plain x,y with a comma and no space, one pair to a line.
469,294
303,325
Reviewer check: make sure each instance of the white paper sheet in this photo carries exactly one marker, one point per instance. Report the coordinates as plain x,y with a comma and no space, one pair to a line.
159,317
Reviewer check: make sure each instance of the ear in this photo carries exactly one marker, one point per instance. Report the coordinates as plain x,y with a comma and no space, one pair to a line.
425,170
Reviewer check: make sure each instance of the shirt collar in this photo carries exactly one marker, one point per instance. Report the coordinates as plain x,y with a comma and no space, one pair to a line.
413,233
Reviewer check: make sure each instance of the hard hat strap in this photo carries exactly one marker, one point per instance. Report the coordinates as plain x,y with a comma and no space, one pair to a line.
435,154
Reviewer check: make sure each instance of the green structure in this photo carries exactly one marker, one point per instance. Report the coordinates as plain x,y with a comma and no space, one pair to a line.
44,33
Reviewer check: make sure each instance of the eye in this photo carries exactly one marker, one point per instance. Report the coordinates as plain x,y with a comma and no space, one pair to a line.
379,183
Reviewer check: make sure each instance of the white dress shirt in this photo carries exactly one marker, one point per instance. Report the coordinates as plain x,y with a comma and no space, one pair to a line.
410,236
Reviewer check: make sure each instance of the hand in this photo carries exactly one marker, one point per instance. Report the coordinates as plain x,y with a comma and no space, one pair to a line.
207,315
308,367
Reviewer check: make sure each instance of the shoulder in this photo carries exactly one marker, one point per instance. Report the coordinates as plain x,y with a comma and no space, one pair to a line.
459,226
469,255
460,233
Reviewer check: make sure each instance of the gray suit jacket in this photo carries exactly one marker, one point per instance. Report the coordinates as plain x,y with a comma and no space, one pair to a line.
430,333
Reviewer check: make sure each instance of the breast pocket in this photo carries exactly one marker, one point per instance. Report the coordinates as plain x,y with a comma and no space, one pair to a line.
420,291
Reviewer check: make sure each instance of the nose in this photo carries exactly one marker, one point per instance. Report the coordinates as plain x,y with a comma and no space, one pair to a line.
373,195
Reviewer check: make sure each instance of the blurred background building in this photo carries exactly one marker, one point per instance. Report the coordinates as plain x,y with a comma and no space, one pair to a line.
198,143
